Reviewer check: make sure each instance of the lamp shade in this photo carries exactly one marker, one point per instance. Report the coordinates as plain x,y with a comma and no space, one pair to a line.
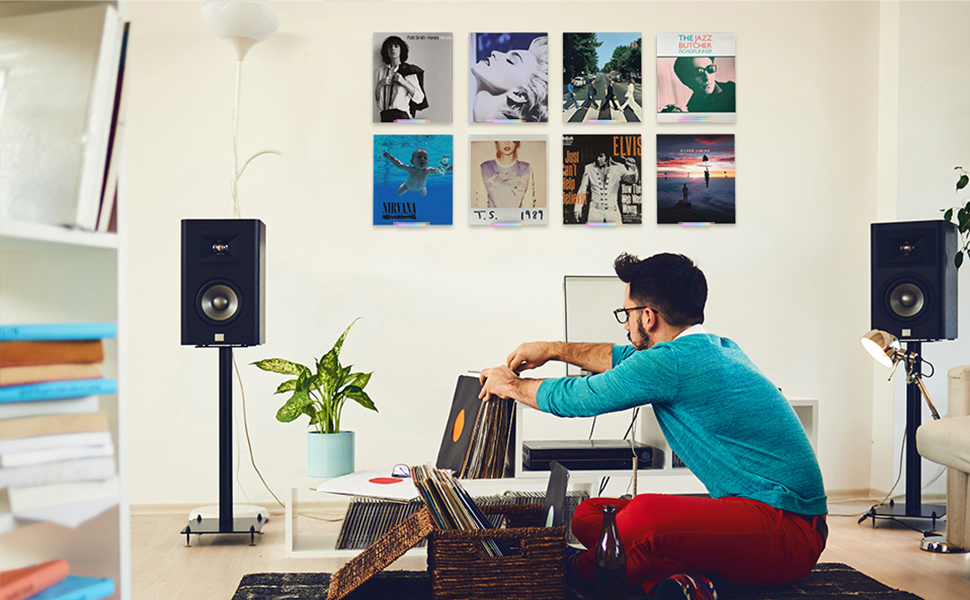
883,346
241,24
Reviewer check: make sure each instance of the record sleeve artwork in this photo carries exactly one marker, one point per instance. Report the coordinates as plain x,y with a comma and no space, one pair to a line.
508,181
696,78
601,179
695,179
413,181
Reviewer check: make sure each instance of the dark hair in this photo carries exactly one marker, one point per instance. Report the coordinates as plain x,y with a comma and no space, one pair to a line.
671,284
685,62
394,40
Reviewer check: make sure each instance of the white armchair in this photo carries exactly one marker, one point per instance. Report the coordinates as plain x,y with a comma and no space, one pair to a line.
947,442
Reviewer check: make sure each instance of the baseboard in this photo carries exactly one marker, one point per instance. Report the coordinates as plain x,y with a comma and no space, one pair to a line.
138,510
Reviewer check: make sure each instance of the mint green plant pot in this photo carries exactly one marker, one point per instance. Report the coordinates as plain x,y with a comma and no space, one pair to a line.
330,454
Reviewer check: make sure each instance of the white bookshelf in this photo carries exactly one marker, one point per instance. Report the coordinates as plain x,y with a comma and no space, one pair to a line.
53,274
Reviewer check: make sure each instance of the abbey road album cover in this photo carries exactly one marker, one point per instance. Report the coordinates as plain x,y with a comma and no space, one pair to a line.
695,179
601,179
602,78
412,78
508,78
696,78
508,180
413,182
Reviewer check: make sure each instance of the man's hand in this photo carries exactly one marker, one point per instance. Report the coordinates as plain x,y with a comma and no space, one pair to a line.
502,382
530,355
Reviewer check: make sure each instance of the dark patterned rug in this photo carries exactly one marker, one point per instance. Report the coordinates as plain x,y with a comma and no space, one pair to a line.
828,581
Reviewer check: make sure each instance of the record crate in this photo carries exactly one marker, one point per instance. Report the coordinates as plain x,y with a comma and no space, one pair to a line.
456,566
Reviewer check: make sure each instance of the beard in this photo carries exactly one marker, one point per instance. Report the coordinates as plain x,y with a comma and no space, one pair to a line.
644,341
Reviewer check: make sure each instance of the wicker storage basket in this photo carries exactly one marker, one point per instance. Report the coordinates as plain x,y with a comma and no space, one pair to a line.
457,567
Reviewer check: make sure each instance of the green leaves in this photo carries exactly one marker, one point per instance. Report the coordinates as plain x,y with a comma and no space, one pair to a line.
962,219
278,365
320,395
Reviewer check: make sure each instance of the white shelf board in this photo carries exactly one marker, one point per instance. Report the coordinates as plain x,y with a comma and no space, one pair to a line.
14,235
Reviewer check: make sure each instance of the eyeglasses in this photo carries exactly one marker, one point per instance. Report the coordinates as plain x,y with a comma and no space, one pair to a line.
623,314
709,69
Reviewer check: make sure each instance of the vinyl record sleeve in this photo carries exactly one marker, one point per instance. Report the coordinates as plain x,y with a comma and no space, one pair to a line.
461,423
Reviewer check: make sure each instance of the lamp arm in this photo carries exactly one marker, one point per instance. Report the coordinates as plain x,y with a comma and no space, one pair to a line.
246,164
926,395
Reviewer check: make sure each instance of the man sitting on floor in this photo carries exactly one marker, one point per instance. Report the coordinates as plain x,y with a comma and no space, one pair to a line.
764,523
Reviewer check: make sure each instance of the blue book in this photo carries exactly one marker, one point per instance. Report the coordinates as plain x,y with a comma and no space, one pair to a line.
43,332
50,390
76,587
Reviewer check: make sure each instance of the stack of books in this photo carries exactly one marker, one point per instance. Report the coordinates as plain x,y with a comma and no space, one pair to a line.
52,581
57,458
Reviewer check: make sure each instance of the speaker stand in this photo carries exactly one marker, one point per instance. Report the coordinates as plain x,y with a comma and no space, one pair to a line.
913,508
225,517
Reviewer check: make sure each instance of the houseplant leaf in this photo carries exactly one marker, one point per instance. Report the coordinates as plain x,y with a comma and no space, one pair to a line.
360,397
293,407
278,365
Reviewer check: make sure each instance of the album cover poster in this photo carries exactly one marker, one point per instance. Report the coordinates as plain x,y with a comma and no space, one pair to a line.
602,80
413,179
695,78
412,78
508,180
601,179
508,78
695,179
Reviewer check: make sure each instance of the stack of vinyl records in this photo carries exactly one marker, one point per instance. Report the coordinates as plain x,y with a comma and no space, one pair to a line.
479,438
451,507
367,519
572,501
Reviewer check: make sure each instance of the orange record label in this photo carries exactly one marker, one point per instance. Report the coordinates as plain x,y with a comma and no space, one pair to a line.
459,426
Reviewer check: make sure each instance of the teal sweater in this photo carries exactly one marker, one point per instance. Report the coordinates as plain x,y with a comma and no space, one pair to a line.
731,426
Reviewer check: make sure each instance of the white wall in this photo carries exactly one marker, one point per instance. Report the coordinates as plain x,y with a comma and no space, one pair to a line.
789,282
934,121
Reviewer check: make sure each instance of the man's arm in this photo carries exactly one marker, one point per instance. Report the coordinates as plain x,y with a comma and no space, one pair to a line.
589,356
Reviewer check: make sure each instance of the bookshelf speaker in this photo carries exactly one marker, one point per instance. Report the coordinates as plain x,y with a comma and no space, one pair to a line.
914,280
223,282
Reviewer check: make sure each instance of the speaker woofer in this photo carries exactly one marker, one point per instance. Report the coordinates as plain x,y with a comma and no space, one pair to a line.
219,303
906,300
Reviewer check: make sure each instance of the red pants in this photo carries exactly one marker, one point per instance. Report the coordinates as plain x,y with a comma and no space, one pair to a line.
745,541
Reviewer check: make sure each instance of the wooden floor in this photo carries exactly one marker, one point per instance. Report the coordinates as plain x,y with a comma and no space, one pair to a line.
163,569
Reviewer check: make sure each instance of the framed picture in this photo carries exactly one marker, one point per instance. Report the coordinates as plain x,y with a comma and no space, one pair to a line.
413,182
508,180
601,179
696,78
508,78
602,78
695,179
412,78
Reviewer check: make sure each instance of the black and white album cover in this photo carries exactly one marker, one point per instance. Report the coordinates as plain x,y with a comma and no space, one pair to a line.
412,79
601,179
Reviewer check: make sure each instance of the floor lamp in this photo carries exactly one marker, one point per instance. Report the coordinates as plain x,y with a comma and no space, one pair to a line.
242,25
886,349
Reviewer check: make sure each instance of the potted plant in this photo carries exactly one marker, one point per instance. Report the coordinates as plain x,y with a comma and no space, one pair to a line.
320,394
962,219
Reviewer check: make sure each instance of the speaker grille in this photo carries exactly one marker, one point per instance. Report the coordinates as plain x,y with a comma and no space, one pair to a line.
906,300
219,303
